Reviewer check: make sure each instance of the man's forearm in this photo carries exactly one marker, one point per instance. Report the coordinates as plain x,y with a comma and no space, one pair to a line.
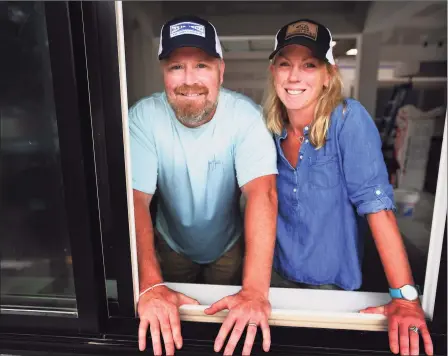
390,248
148,266
260,230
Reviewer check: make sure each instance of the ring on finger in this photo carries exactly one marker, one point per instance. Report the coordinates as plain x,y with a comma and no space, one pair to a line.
413,328
252,324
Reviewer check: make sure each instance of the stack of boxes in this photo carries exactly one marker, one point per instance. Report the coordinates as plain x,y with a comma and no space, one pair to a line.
414,131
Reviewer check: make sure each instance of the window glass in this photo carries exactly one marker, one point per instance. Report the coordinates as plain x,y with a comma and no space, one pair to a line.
36,266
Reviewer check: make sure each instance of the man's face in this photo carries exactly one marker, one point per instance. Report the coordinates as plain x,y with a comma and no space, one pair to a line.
192,81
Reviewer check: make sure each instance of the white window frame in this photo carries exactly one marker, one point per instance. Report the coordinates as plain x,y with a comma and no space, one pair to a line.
292,307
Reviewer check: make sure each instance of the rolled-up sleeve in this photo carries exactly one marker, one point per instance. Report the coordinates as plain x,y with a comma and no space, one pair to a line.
363,163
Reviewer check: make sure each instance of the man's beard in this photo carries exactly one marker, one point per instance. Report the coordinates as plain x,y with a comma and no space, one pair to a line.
192,114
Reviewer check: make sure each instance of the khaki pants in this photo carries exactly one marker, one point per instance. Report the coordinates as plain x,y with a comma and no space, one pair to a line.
178,268
279,281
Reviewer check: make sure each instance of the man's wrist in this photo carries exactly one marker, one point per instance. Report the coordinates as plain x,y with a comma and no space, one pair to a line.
149,283
149,289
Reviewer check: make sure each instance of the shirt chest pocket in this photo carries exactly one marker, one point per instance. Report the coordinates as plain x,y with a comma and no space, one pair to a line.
324,172
220,176
218,165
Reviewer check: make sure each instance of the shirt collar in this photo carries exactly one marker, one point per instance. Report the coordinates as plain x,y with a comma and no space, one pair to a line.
284,133
282,136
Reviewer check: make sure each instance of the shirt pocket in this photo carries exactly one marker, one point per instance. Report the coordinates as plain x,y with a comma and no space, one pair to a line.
324,172
219,168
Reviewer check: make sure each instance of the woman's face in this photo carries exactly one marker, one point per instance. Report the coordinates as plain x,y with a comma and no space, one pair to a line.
299,78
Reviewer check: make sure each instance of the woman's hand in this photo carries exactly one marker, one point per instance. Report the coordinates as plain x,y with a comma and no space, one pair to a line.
402,316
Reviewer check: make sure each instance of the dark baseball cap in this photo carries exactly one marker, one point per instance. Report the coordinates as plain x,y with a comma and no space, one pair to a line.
307,33
189,31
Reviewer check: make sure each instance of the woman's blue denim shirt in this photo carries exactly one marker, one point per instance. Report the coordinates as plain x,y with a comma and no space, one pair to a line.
324,200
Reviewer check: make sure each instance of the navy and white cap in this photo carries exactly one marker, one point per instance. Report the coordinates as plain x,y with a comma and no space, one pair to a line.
189,31
307,33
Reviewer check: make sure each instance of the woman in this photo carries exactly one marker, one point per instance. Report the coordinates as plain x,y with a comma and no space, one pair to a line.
331,176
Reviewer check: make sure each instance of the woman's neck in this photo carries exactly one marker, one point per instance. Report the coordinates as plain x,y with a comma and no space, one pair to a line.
298,119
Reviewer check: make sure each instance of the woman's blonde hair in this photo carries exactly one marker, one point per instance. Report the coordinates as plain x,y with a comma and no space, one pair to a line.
331,96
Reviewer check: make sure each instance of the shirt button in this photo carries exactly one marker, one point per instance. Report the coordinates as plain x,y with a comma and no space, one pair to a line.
306,128
294,190
378,192
306,141
301,157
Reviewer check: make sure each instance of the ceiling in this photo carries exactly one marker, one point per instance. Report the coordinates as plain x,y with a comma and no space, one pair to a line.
229,17
229,8
421,18
409,30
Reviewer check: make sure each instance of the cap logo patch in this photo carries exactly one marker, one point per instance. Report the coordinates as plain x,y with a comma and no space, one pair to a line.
187,28
302,28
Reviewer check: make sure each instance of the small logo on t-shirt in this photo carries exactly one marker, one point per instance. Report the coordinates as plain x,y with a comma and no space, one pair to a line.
213,163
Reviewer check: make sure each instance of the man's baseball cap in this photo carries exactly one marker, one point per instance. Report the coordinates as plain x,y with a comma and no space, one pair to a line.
189,31
307,33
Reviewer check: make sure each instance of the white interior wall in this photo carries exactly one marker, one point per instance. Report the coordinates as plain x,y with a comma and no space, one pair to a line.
250,76
142,65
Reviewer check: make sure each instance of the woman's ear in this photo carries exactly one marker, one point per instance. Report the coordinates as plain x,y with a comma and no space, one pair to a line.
328,74
271,68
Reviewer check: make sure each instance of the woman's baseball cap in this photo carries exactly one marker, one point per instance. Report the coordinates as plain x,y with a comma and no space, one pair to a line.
307,33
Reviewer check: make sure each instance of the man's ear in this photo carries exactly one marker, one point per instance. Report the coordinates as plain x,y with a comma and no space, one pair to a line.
162,65
222,67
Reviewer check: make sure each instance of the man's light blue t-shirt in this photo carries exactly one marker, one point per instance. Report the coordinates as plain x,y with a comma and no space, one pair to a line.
198,172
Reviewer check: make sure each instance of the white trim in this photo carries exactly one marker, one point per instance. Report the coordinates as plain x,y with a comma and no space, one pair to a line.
294,307
437,230
160,43
299,318
329,54
127,153
218,47
276,40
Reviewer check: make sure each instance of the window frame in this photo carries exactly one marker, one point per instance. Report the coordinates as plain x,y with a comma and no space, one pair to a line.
93,43
100,26
107,133
318,343
69,80
365,322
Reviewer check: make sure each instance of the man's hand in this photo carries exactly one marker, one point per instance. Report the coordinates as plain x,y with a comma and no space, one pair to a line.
402,315
159,309
245,307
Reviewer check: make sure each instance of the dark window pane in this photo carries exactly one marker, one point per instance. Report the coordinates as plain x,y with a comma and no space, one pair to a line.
36,269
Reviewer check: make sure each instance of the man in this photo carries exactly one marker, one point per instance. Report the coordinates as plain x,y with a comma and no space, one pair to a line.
200,144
